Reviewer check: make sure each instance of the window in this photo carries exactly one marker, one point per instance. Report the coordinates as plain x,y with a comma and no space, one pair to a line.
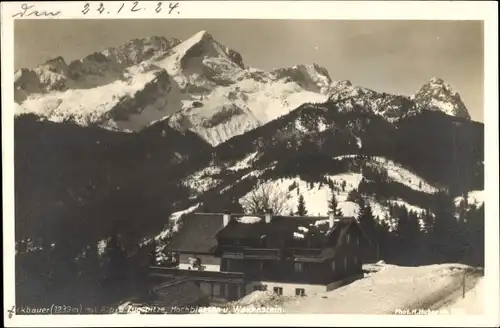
347,238
278,290
300,292
299,267
333,265
260,287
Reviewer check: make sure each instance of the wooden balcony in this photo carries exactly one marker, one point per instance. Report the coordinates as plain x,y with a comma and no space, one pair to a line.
243,252
292,252
157,271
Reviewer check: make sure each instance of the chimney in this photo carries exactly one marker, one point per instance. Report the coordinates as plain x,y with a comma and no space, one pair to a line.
331,219
269,215
226,217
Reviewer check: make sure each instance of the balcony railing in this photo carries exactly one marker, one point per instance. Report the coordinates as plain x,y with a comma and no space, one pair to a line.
249,252
195,274
302,252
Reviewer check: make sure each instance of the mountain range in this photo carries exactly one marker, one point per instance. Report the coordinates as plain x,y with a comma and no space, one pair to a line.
126,136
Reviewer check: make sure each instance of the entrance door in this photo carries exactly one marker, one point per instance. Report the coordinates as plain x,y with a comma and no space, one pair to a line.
232,292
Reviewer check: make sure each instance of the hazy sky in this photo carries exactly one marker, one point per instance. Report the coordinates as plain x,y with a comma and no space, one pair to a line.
390,56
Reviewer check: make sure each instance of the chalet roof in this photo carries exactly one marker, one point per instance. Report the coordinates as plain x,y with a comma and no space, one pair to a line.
279,225
197,234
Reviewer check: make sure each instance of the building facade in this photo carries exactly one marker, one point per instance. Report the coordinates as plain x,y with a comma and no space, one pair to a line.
231,255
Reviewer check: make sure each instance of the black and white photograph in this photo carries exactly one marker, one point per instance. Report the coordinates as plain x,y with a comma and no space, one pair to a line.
247,166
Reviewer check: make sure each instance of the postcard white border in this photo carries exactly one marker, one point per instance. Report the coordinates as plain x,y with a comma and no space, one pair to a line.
355,10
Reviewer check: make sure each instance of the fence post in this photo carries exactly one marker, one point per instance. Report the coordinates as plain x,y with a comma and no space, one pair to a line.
463,285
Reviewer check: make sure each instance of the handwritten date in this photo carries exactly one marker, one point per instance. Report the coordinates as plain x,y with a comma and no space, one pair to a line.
172,7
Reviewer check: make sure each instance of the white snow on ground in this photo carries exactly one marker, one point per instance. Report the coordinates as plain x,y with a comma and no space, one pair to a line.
445,107
101,246
398,173
85,104
202,180
318,223
317,198
297,235
472,303
359,143
244,163
303,229
475,197
386,290
176,215
173,218
382,212
345,156
404,176
249,219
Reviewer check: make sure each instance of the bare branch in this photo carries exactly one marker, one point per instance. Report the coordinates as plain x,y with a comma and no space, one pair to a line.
265,197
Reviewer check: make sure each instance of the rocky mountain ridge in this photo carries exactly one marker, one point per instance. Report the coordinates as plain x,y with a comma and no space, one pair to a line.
201,86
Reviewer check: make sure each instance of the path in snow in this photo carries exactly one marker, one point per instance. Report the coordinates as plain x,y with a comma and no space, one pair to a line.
390,289
472,303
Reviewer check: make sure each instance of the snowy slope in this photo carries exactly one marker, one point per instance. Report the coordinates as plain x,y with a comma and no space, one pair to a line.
397,173
472,303
473,197
388,289
202,180
316,198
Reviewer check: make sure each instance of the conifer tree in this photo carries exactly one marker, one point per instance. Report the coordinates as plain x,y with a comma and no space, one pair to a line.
408,231
301,207
368,223
116,259
446,231
333,205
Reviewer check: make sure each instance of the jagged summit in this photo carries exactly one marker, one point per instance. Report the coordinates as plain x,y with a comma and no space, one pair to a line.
438,95
199,85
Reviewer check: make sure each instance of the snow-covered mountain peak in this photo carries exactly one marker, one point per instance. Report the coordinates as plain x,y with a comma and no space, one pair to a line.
438,95
310,76
91,71
139,49
202,47
198,85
